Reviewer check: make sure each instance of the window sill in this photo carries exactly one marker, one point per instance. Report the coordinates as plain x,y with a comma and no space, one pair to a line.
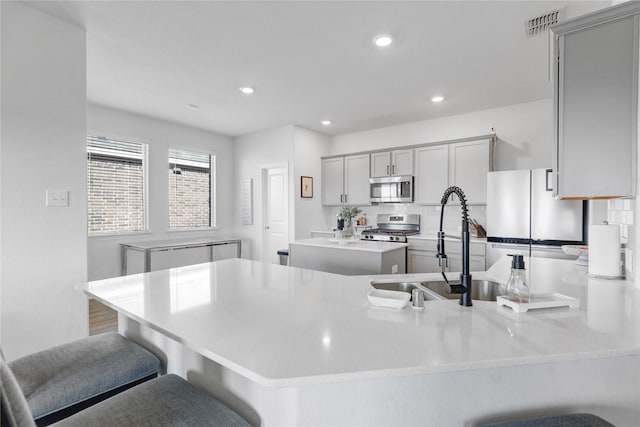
179,230
118,234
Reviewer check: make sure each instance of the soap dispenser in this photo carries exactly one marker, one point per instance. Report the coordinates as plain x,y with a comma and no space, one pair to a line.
517,288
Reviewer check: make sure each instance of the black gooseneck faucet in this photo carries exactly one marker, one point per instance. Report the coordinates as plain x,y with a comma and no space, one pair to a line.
464,288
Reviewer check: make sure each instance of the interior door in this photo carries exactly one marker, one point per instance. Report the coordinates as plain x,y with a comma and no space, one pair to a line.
276,213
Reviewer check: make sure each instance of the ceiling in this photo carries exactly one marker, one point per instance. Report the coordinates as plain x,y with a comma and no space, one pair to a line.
311,60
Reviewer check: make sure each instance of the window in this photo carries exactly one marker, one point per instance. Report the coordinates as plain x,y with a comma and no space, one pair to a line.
117,199
191,189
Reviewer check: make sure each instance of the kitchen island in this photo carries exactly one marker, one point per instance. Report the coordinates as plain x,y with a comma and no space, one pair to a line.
348,256
290,346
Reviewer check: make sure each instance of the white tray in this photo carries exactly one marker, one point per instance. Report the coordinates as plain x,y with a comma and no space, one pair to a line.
391,299
539,301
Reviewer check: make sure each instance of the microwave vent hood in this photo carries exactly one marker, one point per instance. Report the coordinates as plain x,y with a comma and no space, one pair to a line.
391,189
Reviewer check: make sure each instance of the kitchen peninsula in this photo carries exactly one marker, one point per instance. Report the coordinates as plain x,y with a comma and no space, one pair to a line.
290,346
348,256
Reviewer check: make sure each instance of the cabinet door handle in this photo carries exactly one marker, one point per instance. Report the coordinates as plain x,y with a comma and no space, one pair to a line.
548,185
345,198
393,170
341,198
388,170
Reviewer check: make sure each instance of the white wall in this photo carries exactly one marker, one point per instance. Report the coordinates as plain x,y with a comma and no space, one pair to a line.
44,250
525,141
104,252
524,132
309,146
253,152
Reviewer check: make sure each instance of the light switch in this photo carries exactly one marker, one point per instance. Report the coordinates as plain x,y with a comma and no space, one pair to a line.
57,198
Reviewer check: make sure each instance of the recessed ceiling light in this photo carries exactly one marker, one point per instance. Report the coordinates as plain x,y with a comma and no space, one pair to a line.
382,40
326,122
247,90
192,106
437,99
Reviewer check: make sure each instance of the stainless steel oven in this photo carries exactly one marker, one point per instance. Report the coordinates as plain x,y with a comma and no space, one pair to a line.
393,228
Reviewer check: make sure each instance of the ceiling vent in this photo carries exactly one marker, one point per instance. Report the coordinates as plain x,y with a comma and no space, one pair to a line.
540,24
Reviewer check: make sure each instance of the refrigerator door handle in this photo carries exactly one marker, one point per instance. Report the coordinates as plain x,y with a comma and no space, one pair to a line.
548,184
514,246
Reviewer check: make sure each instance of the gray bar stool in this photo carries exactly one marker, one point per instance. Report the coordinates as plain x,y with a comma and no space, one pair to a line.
571,420
63,380
165,401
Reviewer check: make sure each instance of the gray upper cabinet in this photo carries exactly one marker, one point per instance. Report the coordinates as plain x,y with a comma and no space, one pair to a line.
596,104
469,163
389,163
333,181
356,179
345,180
432,174
464,164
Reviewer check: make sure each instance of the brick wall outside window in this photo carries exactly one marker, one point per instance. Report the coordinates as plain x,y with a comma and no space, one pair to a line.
117,207
189,198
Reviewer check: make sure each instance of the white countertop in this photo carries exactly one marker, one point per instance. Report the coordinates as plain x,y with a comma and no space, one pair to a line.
284,326
350,244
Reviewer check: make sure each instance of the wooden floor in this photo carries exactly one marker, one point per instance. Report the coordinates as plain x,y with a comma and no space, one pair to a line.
101,318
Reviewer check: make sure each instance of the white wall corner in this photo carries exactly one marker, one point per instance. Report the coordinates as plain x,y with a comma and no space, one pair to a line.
44,119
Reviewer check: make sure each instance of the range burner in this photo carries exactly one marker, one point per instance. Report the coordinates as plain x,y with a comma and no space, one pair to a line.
393,228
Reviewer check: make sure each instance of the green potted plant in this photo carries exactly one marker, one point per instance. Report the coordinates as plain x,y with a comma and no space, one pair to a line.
348,213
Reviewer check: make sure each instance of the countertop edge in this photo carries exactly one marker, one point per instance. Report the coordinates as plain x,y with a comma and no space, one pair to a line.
454,367
202,351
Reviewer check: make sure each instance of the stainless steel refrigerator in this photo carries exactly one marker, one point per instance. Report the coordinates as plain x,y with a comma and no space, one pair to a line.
523,216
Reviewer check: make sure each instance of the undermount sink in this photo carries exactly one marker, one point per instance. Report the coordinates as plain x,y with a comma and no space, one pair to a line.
407,287
482,290
438,290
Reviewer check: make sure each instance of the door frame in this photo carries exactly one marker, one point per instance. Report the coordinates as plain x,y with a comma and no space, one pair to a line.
264,171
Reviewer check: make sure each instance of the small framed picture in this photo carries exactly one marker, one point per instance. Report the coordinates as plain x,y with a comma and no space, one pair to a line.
306,187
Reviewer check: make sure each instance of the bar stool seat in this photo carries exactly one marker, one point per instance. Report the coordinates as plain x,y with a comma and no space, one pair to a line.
571,420
165,401
63,380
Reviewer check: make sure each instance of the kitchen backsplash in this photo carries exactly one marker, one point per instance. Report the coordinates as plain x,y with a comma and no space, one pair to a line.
429,216
615,211
621,212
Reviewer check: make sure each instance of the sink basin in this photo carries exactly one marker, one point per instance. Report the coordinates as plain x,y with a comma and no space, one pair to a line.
438,290
407,287
483,290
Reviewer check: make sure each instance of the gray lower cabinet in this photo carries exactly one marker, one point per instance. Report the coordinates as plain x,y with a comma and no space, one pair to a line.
422,261
421,256
596,104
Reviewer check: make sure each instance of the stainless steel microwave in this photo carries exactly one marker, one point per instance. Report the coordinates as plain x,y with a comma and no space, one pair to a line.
391,189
